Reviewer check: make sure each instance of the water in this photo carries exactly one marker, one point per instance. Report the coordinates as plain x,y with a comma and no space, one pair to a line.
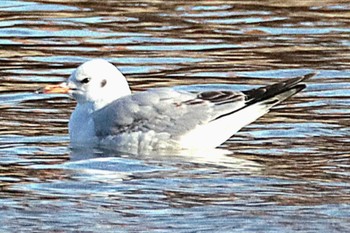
287,172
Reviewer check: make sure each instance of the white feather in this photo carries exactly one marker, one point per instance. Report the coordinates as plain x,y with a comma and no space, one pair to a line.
108,114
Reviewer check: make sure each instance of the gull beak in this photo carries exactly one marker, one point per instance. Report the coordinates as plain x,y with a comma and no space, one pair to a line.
61,88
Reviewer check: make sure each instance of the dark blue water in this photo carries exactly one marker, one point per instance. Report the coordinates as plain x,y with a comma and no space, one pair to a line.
287,172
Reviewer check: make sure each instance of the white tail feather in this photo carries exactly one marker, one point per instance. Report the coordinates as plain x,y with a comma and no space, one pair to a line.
218,131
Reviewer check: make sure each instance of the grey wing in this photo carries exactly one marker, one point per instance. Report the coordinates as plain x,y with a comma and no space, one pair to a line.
165,111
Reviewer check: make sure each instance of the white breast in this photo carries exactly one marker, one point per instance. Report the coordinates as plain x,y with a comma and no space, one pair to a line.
81,125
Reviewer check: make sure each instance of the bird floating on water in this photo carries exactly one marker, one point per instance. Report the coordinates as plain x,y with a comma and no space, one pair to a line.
159,119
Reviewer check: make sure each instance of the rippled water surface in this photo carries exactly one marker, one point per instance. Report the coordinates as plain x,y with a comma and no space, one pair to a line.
289,171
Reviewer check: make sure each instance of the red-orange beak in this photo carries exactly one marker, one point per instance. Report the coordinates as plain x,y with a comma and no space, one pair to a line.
61,88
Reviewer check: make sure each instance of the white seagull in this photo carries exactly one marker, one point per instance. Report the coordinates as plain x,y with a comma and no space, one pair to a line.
160,119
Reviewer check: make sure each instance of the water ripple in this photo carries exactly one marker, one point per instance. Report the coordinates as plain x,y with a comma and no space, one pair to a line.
286,172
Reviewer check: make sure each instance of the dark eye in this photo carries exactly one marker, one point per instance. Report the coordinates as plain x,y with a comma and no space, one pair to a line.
103,83
85,80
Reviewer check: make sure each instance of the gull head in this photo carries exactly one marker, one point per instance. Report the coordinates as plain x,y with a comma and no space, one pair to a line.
97,82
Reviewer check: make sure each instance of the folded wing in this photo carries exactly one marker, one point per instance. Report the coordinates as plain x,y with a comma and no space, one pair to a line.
204,119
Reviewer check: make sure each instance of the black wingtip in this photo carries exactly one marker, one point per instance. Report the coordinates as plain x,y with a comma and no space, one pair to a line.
263,93
310,75
303,78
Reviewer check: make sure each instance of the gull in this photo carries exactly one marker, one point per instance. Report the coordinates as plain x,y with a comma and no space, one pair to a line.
160,119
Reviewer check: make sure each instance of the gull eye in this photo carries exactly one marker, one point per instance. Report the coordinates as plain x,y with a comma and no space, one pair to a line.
103,83
85,80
